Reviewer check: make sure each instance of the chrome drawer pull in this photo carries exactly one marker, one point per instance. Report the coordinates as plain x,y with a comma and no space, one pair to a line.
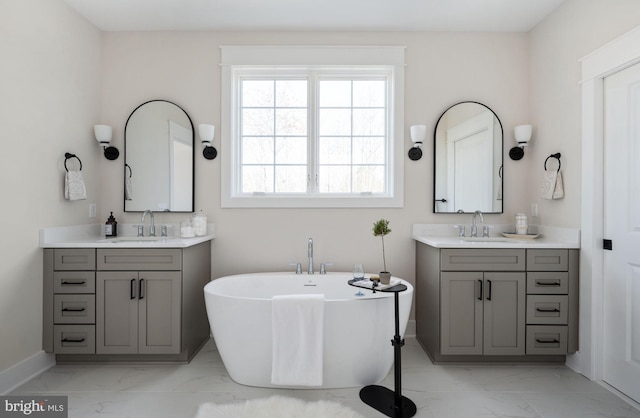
73,282
72,340
72,309
547,341
547,310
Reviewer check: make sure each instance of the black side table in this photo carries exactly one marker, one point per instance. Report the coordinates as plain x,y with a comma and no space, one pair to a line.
391,403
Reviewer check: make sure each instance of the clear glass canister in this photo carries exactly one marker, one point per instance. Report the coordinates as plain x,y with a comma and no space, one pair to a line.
186,229
199,224
522,224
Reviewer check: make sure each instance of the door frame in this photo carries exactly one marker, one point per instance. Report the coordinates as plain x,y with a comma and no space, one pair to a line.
613,57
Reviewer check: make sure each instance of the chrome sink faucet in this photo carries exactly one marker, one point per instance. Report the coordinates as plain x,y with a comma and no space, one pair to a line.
310,254
474,227
152,226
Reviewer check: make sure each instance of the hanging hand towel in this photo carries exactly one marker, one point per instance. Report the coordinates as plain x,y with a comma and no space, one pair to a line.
552,187
128,189
558,190
74,188
297,330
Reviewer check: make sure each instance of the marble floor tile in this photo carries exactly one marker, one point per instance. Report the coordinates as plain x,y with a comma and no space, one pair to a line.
439,391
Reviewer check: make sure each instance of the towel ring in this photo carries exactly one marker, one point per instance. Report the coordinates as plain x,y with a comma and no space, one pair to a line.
68,155
557,157
130,170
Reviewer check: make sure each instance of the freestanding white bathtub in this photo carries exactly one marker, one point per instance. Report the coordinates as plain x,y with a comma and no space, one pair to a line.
357,329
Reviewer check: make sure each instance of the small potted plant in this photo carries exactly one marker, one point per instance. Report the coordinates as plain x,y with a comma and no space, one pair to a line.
380,229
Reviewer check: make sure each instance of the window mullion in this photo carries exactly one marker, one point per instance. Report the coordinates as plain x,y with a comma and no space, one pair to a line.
351,168
275,135
312,134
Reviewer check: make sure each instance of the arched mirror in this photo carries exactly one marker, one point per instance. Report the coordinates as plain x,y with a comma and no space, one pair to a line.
159,159
468,160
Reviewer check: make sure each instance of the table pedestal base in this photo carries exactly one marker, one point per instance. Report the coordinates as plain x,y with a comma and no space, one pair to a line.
385,401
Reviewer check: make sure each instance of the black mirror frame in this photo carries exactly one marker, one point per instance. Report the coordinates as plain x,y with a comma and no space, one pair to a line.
193,156
500,172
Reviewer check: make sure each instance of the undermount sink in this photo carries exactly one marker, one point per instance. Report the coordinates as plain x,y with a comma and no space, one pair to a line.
486,239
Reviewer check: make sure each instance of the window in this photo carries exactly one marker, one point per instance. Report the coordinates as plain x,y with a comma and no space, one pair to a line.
304,131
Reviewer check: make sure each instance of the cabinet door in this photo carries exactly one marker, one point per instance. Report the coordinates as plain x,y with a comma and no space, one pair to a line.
461,313
117,312
159,312
504,313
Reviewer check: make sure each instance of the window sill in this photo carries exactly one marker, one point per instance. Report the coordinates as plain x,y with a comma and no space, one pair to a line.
257,201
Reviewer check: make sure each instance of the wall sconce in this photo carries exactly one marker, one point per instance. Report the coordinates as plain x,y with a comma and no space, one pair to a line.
418,134
522,135
103,135
207,132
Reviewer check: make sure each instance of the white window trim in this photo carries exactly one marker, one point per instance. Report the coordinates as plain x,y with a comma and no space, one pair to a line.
305,56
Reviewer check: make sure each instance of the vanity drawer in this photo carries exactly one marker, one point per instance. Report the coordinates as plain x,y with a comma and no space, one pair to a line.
74,282
548,283
74,309
546,339
131,259
74,259
547,260
74,339
547,309
482,259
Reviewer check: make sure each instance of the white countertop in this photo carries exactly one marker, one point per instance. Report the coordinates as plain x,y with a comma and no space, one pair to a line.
90,236
445,236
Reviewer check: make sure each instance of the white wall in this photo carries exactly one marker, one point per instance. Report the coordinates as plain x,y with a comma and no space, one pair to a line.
576,29
442,69
50,89
557,44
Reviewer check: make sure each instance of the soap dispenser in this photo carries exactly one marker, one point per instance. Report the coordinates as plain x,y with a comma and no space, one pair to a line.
111,227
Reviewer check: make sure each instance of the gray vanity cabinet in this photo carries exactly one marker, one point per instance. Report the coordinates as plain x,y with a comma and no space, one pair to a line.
125,304
138,312
484,304
483,313
69,302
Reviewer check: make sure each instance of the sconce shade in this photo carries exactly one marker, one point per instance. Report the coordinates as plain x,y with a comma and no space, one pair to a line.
418,133
103,133
207,132
522,134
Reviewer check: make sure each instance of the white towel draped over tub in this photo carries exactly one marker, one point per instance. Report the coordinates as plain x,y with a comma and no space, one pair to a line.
297,328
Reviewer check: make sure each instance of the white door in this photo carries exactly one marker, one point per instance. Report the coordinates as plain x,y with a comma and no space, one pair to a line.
621,301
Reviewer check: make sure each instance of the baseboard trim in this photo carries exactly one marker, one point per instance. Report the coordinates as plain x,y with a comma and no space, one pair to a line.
27,369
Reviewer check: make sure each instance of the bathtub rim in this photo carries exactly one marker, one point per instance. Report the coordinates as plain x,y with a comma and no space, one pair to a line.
285,274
